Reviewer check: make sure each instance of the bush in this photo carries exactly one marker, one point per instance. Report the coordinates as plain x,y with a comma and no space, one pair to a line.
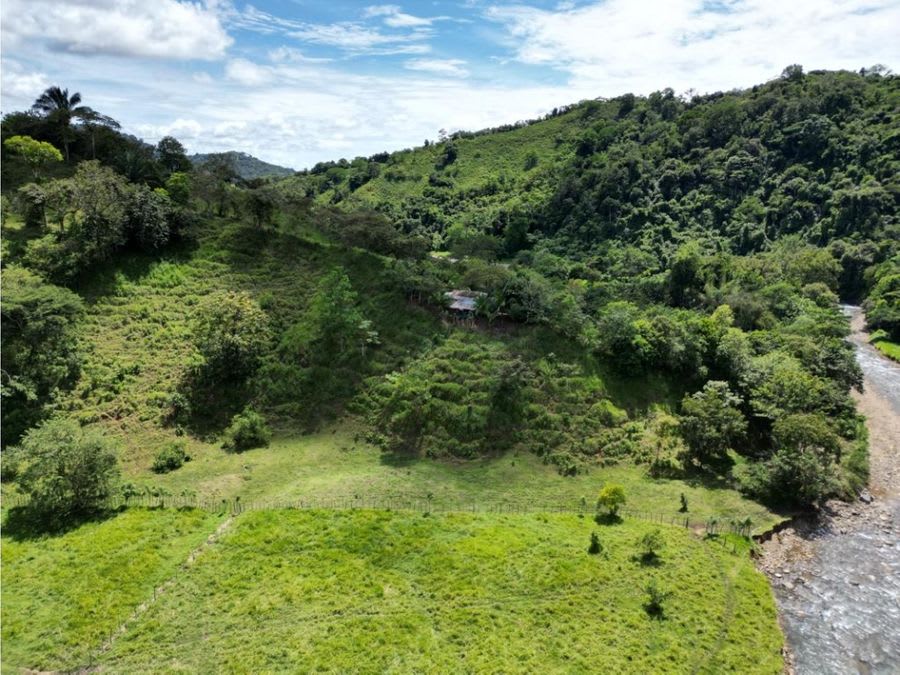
231,333
171,457
65,470
247,430
655,599
650,544
595,546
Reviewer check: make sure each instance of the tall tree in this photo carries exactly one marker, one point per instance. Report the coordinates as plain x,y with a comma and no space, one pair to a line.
56,104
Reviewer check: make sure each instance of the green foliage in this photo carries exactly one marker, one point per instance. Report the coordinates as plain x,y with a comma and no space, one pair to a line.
40,354
595,547
333,332
802,470
655,599
171,457
35,153
711,422
231,333
247,430
67,471
650,544
611,498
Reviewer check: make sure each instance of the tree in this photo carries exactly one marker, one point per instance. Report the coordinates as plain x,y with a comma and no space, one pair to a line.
39,352
148,217
655,599
334,331
610,499
61,109
231,333
94,120
37,154
711,422
178,185
650,544
66,470
170,153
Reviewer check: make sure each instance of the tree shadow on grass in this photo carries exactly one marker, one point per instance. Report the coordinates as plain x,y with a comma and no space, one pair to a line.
25,523
608,519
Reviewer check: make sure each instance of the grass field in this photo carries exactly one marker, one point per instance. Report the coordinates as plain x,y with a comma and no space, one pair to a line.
333,465
370,591
63,594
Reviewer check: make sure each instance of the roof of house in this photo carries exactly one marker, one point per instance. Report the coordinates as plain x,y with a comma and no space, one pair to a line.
463,301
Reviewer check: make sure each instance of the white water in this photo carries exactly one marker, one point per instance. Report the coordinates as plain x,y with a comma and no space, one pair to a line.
841,609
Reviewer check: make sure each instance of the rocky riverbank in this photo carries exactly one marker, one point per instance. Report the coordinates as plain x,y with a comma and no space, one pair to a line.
836,576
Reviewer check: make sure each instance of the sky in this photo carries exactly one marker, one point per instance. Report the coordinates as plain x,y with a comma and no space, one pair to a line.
295,82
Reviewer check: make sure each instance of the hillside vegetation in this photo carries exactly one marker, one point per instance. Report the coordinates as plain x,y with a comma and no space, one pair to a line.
657,283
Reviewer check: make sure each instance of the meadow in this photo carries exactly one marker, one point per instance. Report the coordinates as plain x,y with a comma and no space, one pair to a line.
380,591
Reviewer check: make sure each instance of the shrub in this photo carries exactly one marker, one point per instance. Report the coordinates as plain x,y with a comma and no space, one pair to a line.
171,457
650,544
65,470
655,599
247,430
595,546
684,504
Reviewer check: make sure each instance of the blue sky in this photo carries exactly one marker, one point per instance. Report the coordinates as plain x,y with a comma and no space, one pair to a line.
300,81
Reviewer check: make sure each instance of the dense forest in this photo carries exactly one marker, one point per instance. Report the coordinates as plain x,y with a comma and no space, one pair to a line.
657,283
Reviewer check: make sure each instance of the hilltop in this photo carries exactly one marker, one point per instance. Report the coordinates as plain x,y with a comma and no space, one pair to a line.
245,166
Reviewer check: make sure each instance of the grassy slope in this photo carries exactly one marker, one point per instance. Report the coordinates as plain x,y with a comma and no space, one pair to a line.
386,592
889,349
63,595
330,465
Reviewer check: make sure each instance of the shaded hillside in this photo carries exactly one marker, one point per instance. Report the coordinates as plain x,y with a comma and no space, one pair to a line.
244,165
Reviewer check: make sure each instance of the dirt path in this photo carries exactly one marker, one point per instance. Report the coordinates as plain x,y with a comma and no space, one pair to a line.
141,609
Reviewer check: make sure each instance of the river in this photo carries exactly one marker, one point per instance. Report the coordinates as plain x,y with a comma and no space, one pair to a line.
838,584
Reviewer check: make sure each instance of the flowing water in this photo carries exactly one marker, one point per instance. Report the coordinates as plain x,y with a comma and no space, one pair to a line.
840,605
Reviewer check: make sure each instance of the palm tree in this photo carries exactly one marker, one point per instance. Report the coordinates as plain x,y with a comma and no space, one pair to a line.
56,104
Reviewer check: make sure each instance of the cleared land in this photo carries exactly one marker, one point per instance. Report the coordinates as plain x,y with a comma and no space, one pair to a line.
376,591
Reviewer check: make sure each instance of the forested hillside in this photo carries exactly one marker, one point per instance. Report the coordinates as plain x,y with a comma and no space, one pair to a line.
244,165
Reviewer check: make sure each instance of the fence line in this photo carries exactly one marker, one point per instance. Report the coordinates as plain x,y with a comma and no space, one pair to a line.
712,526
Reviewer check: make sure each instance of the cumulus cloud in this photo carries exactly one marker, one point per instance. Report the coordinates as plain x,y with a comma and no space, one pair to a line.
451,67
621,45
159,29
19,82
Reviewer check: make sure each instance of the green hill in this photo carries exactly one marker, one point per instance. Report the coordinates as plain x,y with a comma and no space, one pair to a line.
244,165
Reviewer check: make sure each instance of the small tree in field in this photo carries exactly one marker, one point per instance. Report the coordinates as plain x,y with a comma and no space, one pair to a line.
595,547
655,599
66,470
650,544
37,154
610,499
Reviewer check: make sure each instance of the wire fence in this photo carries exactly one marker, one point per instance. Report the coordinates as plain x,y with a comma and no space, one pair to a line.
711,526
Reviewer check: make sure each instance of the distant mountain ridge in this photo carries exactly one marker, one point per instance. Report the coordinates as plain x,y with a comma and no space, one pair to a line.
246,166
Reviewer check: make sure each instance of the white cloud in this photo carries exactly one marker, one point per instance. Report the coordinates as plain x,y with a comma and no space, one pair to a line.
158,28
393,16
354,37
622,45
18,82
451,67
291,55
247,73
